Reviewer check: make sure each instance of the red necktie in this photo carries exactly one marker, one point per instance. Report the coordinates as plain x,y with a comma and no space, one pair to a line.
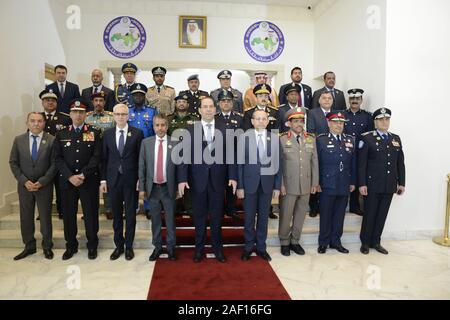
300,102
159,163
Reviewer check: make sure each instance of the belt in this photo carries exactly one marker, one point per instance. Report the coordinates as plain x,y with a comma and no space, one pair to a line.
160,184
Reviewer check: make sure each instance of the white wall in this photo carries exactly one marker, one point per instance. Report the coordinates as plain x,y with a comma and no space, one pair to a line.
29,40
343,43
417,69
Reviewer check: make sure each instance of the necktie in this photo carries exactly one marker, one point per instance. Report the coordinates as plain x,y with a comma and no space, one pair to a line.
298,139
95,89
34,148
159,89
49,116
120,148
338,138
384,136
77,130
62,90
209,135
227,117
334,95
261,151
300,102
159,163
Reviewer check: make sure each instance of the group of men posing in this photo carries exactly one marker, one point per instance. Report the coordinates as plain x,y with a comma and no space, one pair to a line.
310,152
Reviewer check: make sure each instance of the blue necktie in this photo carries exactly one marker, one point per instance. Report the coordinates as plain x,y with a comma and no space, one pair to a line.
34,148
121,142
384,136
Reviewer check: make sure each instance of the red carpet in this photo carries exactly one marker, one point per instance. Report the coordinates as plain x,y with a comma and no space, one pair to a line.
211,280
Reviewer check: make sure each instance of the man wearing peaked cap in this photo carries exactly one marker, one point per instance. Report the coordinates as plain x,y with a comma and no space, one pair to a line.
129,67
381,173
141,114
360,121
224,77
123,91
193,93
291,92
250,98
161,96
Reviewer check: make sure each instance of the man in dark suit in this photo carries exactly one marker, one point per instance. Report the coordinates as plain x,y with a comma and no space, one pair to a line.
194,95
78,151
305,94
338,95
121,146
65,90
97,86
157,183
205,171
381,174
259,180
31,162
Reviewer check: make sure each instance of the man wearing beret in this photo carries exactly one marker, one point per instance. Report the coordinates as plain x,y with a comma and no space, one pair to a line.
122,92
161,96
224,77
381,173
194,95
292,94
300,179
77,154
337,178
305,94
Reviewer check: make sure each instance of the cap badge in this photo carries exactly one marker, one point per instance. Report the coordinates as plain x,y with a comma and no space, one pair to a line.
77,103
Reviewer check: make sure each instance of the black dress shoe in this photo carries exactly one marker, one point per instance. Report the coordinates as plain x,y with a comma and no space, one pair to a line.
313,214
69,254
364,249
92,254
198,256
155,255
264,255
246,255
48,254
297,249
380,249
322,249
339,248
171,254
357,211
221,257
233,215
37,218
148,215
60,216
25,253
273,216
285,251
129,254
116,254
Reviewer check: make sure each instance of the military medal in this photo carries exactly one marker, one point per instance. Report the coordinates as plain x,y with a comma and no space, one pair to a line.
44,141
288,143
89,136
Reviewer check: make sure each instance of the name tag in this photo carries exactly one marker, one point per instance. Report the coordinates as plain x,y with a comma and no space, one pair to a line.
330,146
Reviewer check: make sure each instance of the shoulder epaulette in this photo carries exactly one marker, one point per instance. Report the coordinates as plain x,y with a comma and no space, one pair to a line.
283,134
322,135
239,114
272,108
109,113
168,87
89,113
367,133
65,114
310,134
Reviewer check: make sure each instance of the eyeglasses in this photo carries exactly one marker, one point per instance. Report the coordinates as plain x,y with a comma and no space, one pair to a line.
121,114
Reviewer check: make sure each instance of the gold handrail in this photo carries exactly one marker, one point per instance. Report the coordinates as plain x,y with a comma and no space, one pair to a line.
445,240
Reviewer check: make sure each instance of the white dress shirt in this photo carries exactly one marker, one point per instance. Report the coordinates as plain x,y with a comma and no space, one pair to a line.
157,141
99,88
38,140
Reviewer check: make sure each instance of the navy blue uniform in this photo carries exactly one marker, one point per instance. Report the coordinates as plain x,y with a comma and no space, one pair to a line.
142,118
122,94
381,168
337,171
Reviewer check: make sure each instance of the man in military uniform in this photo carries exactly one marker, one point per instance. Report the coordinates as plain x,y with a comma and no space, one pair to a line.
231,120
77,154
194,95
249,97
292,92
381,174
224,77
161,96
300,178
54,121
262,92
122,92
359,121
101,120
337,171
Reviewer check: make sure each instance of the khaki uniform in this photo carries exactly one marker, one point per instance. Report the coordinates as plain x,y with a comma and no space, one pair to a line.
300,173
163,101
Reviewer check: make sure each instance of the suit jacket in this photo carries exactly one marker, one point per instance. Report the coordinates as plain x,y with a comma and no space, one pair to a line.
198,175
252,172
41,170
70,92
317,122
109,97
307,95
300,163
338,102
112,160
147,166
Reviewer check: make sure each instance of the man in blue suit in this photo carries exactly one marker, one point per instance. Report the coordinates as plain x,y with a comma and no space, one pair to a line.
259,180
204,171
121,147
65,90
337,178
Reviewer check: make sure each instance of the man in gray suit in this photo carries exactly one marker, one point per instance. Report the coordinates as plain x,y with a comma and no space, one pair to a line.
157,184
31,162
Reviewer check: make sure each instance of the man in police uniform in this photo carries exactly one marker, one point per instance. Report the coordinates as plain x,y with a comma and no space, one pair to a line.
381,173
249,97
291,92
101,120
262,92
194,95
54,121
300,178
359,121
161,96
77,154
337,171
122,92
224,77
231,120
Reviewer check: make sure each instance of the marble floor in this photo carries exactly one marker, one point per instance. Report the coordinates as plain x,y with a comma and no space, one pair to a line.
412,270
